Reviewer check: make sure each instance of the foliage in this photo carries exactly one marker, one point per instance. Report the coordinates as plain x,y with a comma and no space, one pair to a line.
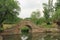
44,25
25,30
1,29
48,11
14,21
57,5
56,16
40,21
27,19
8,10
35,16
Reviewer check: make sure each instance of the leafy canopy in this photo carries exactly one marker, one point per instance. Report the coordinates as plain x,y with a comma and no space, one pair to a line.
8,10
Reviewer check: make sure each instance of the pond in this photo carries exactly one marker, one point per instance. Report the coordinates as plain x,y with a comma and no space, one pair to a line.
46,36
34,36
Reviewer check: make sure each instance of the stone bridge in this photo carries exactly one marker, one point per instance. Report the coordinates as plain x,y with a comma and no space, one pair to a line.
17,28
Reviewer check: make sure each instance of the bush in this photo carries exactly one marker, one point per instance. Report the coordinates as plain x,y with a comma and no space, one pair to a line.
25,30
1,29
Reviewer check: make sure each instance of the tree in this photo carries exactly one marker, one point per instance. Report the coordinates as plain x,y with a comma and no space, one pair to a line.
48,10
56,16
46,13
14,21
35,16
8,10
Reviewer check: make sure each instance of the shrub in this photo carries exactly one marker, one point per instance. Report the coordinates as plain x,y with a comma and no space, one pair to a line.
25,30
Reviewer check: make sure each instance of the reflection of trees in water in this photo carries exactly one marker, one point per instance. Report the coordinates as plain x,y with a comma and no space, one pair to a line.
28,36
57,36
53,36
34,36
46,36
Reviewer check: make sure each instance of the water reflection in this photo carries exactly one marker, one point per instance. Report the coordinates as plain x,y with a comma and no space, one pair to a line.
46,36
33,36
24,37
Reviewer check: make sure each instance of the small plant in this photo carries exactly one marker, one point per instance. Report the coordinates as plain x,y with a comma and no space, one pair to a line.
25,30
1,29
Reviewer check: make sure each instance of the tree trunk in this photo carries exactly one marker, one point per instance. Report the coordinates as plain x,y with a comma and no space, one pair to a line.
1,28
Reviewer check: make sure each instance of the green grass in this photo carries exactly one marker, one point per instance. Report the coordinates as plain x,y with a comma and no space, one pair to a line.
53,25
6,26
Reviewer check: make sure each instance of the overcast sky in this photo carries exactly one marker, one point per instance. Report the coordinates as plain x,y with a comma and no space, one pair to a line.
28,6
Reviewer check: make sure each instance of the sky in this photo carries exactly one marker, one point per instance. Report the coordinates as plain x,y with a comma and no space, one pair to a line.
28,6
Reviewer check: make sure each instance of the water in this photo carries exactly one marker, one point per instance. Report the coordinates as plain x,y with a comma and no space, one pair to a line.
24,37
34,36
46,36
